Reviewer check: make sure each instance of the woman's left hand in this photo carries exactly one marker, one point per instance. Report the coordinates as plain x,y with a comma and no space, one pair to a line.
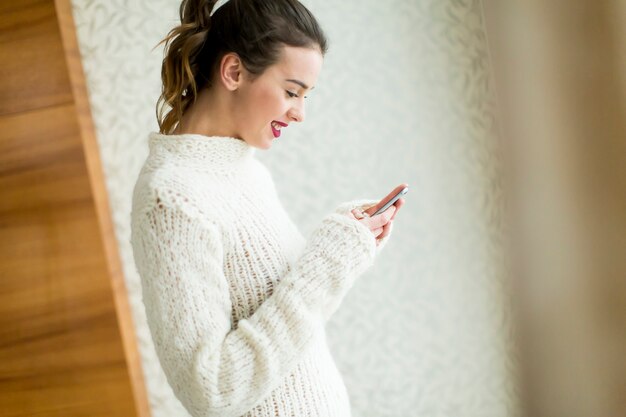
359,213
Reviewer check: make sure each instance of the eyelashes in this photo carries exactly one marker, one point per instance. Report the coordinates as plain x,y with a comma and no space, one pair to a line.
292,94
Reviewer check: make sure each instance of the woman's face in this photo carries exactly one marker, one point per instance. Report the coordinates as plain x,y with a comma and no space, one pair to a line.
276,98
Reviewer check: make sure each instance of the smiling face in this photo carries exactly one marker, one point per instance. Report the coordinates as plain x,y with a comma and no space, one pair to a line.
268,104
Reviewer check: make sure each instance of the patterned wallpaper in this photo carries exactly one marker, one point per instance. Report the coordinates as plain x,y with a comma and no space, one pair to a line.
404,96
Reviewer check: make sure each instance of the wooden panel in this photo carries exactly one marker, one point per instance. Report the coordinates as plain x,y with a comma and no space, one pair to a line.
101,201
61,347
33,72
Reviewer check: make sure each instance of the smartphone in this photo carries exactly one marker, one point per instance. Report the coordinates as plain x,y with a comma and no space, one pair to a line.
400,193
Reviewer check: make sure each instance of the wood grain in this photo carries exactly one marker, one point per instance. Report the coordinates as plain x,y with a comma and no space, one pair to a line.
98,187
33,73
66,341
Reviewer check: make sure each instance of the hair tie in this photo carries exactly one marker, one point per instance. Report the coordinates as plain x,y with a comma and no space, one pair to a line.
217,5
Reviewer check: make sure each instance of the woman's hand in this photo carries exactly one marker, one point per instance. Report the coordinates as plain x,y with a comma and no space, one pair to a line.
380,225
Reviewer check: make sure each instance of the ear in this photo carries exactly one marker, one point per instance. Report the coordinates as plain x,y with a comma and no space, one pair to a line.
231,69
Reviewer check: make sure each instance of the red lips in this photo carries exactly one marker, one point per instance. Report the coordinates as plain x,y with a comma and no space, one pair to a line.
275,131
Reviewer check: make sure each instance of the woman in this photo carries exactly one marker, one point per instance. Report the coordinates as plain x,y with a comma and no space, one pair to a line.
236,299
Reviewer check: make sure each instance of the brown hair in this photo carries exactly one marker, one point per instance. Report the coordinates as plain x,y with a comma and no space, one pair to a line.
254,29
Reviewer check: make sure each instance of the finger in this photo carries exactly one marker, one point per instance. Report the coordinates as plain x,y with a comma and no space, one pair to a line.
376,222
383,218
377,231
357,213
386,230
398,204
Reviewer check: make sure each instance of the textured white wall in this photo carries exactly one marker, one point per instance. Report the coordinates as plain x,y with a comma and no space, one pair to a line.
404,96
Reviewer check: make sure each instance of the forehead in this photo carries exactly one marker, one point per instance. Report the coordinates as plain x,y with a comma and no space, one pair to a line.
302,64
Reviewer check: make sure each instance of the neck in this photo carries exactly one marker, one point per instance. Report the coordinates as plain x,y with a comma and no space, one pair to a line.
210,115
205,153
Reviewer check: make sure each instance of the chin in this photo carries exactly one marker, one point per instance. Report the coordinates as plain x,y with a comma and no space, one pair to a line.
261,143
265,143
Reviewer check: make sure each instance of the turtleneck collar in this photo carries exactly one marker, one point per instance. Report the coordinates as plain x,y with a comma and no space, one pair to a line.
207,151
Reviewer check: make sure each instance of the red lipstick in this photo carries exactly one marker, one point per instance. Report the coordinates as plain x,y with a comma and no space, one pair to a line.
276,132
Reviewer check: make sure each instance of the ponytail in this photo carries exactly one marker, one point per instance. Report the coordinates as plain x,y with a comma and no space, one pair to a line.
182,45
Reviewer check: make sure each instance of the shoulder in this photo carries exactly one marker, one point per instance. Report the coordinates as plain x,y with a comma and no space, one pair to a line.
263,176
172,187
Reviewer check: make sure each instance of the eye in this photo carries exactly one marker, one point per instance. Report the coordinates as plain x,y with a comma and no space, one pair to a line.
294,94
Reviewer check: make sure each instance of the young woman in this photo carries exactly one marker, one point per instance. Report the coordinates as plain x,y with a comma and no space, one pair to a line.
236,298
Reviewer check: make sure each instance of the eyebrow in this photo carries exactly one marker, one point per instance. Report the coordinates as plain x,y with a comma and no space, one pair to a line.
301,84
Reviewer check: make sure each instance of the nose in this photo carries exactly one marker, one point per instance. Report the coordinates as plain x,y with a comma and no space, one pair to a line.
296,113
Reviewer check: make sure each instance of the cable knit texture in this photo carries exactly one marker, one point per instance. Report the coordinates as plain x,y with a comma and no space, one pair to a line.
236,298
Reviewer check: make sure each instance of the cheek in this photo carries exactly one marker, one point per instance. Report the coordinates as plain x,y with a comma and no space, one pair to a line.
262,105
269,103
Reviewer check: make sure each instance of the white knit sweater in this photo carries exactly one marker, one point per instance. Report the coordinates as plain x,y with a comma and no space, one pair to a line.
236,298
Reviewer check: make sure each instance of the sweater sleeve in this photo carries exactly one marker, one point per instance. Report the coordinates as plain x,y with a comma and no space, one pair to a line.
215,370
346,207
